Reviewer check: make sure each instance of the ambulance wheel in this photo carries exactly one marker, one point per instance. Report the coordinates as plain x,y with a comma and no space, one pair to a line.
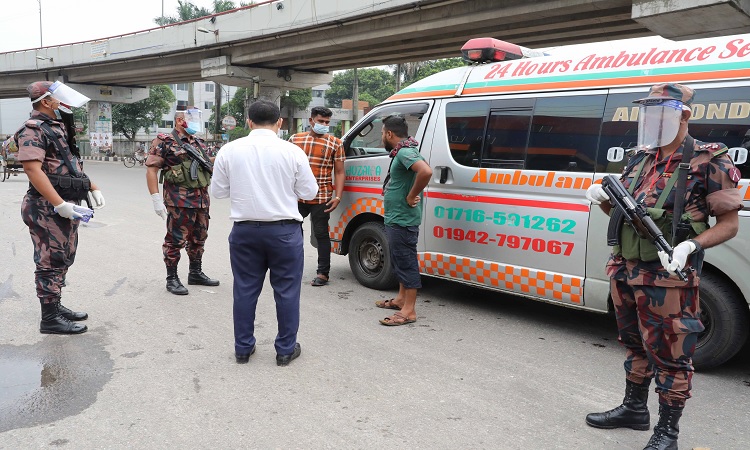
369,257
725,316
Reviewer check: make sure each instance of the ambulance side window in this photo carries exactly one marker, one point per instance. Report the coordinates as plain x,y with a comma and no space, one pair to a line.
619,129
366,139
721,115
565,133
465,122
507,138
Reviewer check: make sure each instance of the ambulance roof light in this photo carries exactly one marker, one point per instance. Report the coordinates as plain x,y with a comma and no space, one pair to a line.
483,50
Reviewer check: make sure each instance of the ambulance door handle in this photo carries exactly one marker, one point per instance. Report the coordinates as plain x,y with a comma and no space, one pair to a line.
444,172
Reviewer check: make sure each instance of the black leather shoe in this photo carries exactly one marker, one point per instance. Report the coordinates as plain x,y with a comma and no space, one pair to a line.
71,315
284,360
196,275
243,358
173,282
54,323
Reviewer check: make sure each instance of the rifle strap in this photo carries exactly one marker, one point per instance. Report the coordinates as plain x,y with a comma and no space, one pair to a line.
65,156
637,175
684,168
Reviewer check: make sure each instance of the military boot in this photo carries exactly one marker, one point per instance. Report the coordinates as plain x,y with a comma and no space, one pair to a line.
173,282
633,413
71,315
53,322
196,275
666,431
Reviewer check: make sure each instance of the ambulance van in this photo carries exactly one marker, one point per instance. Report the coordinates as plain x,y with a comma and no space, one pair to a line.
514,141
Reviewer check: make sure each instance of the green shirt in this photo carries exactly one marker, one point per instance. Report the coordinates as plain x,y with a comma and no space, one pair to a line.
397,211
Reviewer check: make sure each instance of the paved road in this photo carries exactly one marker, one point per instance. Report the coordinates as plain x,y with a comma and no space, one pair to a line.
477,370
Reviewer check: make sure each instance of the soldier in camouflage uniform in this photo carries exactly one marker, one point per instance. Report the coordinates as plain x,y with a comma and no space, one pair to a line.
185,199
57,183
658,315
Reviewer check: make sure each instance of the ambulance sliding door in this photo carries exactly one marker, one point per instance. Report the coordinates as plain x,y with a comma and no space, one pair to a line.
506,206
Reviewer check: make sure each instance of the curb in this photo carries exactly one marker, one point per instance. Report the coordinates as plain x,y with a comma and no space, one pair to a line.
103,158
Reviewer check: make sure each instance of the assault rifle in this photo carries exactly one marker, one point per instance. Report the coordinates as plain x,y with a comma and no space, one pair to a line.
626,209
196,155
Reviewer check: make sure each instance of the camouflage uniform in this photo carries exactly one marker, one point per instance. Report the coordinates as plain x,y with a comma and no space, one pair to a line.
54,238
187,221
658,315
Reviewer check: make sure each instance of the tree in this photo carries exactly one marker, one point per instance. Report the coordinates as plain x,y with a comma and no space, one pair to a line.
296,100
131,117
415,71
375,85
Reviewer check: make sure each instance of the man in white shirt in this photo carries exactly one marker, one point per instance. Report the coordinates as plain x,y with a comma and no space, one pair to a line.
263,176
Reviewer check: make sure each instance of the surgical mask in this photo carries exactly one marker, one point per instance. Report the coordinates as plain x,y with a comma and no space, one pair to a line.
193,120
658,124
320,129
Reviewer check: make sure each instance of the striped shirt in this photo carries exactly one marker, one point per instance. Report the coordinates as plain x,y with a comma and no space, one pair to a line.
322,152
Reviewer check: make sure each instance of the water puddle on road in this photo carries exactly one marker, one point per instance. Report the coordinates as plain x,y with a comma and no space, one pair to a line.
58,377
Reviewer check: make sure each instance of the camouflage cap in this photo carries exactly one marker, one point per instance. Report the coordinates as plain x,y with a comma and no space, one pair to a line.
38,88
669,91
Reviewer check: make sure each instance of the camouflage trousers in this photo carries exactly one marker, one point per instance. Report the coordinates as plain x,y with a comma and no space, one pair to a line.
55,240
659,327
186,228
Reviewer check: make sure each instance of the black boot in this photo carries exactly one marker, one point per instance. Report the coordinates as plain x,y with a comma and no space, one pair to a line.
196,275
633,413
55,323
173,282
71,315
666,431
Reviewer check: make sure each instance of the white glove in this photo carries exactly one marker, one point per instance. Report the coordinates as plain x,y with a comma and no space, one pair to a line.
65,209
679,257
96,194
159,208
596,195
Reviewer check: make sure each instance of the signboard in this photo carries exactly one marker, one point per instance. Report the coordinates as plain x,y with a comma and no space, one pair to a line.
224,137
229,122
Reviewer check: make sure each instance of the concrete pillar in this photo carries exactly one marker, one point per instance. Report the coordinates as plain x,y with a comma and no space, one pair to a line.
271,94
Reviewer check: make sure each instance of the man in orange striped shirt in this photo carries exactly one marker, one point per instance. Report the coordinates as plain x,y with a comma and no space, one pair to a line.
326,155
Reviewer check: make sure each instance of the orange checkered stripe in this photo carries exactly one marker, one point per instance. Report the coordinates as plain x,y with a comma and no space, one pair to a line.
549,285
362,205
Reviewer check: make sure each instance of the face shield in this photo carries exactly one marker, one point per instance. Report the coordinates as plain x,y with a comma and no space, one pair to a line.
67,95
658,123
194,119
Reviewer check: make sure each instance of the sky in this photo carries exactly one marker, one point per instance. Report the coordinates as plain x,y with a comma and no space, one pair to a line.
68,21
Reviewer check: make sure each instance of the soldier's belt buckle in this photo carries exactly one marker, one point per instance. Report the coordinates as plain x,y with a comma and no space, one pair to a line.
684,166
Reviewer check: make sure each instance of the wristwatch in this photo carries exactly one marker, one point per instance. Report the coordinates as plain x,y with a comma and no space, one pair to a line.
338,198
698,247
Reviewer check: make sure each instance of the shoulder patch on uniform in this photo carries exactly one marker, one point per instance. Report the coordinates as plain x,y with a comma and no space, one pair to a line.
734,174
32,123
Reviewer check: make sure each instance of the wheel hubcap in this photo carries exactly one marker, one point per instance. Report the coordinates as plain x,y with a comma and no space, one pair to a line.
371,256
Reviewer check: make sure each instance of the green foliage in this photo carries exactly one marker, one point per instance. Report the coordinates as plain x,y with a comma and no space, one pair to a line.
415,71
129,118
238,132
235,108
187,11
298,99
81,115
375,85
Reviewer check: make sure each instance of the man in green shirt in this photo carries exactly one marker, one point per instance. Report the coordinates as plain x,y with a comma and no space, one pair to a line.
407,177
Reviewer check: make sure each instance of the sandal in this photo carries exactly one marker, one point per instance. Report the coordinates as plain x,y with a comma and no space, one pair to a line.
397,320
317,281
387,304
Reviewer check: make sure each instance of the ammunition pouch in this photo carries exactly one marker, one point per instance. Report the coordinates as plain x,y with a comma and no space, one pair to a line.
188,174
70,188
633,246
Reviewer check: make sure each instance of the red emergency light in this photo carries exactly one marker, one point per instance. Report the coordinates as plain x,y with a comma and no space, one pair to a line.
482,50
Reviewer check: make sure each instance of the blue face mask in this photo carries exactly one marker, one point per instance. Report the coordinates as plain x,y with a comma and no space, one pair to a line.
320,129
193,127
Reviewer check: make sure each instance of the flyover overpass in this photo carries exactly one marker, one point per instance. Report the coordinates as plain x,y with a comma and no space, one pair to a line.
296,43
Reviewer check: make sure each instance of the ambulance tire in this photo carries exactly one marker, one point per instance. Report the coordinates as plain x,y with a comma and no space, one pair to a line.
726,318
369,257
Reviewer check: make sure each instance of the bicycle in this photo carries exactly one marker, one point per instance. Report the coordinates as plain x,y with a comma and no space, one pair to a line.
137,157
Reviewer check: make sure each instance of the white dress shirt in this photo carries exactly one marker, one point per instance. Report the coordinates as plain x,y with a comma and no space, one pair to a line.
263,176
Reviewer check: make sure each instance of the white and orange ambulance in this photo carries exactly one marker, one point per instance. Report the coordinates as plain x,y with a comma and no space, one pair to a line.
515,141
